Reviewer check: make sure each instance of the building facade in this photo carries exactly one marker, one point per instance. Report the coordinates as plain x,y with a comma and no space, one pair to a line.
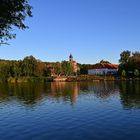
103,69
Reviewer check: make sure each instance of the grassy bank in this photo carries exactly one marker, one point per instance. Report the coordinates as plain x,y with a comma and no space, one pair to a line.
29,79
98,78
91,78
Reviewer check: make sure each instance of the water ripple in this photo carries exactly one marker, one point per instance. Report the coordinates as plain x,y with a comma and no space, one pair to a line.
70,111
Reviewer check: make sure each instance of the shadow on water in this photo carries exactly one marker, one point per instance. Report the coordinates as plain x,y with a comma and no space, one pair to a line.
32,94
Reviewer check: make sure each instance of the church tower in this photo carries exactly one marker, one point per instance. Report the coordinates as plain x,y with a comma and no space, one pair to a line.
71,58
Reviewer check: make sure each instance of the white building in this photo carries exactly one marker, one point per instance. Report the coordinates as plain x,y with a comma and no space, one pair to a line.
103,69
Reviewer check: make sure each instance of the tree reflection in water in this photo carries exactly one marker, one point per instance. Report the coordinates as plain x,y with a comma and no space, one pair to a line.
130,94
32,94
65,91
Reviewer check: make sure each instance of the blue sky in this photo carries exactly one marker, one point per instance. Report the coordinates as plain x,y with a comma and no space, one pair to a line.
89,29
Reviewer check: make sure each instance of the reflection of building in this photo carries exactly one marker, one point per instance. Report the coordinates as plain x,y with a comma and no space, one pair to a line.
103,69
74,64
66,91
104,89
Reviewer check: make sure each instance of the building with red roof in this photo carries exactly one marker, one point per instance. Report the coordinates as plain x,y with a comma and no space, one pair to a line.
103,69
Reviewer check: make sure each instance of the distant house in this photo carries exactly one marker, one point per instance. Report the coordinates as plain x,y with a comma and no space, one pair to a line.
103,69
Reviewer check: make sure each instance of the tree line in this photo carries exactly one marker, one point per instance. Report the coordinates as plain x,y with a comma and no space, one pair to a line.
31,67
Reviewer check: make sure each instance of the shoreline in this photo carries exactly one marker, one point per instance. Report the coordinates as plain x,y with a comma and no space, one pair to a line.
80,78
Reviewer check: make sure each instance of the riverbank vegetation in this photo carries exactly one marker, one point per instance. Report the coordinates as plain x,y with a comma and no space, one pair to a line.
24,70
129,64
31,69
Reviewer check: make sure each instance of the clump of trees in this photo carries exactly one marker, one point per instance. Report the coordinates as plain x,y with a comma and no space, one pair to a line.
28,67
64,68
67,68
129,64
84,68
31,67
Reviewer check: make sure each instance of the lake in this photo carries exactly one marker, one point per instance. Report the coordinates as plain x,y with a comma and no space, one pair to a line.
70,111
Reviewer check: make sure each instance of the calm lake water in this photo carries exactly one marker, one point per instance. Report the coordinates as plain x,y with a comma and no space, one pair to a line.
70,111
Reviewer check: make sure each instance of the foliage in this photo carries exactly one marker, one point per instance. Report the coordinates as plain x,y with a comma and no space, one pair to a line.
105,61
4,72
125,55
84,68
30,69
57,68
123,73
130,62
67,68
28,66
13,14
136,73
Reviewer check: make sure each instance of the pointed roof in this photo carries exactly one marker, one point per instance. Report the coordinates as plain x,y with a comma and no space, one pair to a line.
70,56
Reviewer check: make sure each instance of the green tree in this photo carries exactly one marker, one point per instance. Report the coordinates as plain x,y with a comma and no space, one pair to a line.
12,14
136,73
124,57
126,62
67,68
84,68
4,71
136,60
29,65
15,69
39,69
123,73
57,68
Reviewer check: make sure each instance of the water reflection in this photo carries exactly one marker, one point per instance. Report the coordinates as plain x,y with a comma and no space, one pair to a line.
104,89
130,94
65,91
28,94
31,94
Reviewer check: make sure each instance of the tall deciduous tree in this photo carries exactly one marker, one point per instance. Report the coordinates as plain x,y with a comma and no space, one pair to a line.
29,65
129,63
67,68
13,14
125,55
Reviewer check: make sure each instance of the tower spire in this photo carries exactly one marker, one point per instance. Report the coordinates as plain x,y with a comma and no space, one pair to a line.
70,58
